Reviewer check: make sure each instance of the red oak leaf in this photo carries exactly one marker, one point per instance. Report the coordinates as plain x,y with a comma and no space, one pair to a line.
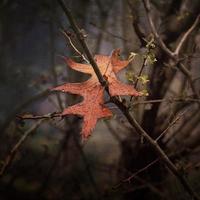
92,107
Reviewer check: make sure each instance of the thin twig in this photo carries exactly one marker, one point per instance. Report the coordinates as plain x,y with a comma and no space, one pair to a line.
185,36
74,47
171,124
159,151
141,170
136,173
170,100
104,15
154,31
81,39
135,23
140,72
124,109
150,186
109,33
35,117
187,73
17,146
187,127
20,107
173,55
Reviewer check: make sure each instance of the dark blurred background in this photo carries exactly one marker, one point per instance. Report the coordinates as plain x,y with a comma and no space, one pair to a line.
53,163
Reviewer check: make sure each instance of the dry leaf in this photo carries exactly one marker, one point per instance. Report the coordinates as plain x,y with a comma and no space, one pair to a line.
92,107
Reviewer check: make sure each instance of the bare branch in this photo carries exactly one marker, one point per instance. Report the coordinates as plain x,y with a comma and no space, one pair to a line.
171,124
30,116
171,54
17,146
81,39
108,32
185,36
135,23
174,55
154,31
170,100
73,46
141,70
125,110
187,73
140,171
20,107
134,175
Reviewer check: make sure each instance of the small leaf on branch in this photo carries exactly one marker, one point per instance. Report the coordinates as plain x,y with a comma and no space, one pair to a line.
144,79
144,93
132,56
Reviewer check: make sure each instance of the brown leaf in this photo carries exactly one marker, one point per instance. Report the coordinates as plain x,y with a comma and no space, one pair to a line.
92,107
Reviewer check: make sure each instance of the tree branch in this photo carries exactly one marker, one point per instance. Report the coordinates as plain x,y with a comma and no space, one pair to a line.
17,146
135,23
171,124
124,109
154,31
20,107
173,55
187,73
73,46
168,100
81,39
35,117
185,36
136,173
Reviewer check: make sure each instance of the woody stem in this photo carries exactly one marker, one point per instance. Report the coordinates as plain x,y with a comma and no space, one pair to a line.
124,109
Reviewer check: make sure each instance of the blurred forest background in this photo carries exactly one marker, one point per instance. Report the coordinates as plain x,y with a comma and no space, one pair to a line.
46,159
